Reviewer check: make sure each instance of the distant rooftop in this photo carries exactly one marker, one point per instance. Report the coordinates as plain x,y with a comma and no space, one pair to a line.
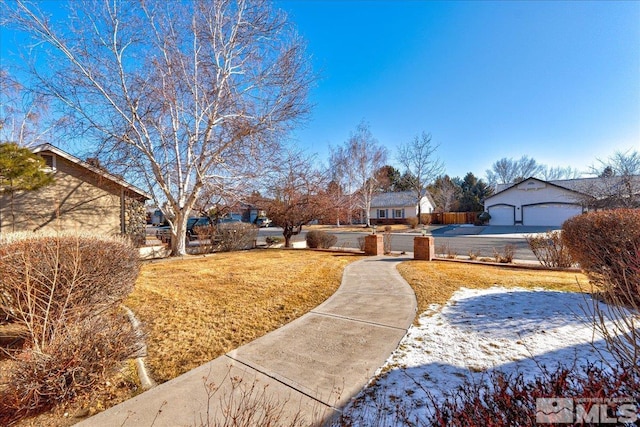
396,199
593,186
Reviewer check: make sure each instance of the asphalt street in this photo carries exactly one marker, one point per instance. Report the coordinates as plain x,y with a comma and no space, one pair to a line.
481,245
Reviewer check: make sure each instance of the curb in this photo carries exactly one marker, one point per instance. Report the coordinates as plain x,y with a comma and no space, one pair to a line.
143,374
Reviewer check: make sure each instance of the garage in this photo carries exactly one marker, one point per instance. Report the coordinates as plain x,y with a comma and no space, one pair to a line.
502,215
549,214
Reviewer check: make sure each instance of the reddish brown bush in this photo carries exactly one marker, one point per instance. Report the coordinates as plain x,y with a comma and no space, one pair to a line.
65,291
80,357
427,219
413,222
48,280
606,244
510,400
320,239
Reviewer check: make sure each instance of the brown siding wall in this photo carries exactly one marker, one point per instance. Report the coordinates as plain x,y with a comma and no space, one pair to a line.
78,200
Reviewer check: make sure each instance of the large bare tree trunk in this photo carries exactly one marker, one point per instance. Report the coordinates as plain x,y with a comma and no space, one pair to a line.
179,245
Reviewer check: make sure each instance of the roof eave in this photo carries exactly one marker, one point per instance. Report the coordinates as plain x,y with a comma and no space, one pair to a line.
73,159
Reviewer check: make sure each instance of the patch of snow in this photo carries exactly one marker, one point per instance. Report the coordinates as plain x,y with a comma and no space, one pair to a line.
511,330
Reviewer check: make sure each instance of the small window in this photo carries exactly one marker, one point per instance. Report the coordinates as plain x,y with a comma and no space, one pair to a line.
398,213
49,160
382,213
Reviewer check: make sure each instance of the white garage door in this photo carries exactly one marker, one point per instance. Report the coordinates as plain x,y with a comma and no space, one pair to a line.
549,214
501,215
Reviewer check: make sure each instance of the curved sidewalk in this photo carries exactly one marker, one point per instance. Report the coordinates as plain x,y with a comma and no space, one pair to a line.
309,368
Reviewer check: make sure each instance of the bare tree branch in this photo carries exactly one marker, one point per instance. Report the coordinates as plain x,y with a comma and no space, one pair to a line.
418,157
356,164
177,94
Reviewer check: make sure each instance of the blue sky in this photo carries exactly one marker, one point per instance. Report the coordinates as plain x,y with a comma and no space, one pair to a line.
557,81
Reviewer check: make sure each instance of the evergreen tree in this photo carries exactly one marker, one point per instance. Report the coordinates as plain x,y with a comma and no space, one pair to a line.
473,192
20,170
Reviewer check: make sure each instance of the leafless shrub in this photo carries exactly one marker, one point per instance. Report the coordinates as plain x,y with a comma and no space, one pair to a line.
426,219
413,222
446,250
550,250
473,255
80,357
506,256
619,320
236,236
320,239
46,281
619,324
64,290
248,404
361,243
607,246
510,400
207,240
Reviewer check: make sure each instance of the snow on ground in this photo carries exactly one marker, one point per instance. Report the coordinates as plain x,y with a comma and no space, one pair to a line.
480,331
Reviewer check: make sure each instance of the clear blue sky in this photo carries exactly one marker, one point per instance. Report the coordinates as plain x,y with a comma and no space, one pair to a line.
557,81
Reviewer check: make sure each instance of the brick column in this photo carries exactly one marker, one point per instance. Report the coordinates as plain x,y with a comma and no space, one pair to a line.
423,248
373,244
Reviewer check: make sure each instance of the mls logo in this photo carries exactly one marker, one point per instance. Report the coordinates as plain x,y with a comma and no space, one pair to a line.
554,410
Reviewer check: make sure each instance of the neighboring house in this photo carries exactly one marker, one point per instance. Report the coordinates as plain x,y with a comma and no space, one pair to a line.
83,197
534,202
393,208
251,213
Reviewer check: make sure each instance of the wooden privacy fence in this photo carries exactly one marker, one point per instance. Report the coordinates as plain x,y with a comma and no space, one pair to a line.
451,217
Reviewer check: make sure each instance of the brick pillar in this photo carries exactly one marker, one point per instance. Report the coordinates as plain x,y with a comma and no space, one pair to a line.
373,244
423,248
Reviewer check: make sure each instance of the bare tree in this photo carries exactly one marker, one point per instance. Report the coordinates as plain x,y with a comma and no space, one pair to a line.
357,163
617,184
418,157
297,195
339,203
179,94
507,171
556,173
24,117
445,194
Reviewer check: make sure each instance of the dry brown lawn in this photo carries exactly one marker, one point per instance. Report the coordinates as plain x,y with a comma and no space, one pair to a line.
435,282
197,309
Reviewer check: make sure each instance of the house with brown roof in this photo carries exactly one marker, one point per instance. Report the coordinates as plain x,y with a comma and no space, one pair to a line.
83,197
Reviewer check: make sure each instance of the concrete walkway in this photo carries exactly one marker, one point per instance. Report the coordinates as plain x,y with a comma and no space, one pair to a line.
308,369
